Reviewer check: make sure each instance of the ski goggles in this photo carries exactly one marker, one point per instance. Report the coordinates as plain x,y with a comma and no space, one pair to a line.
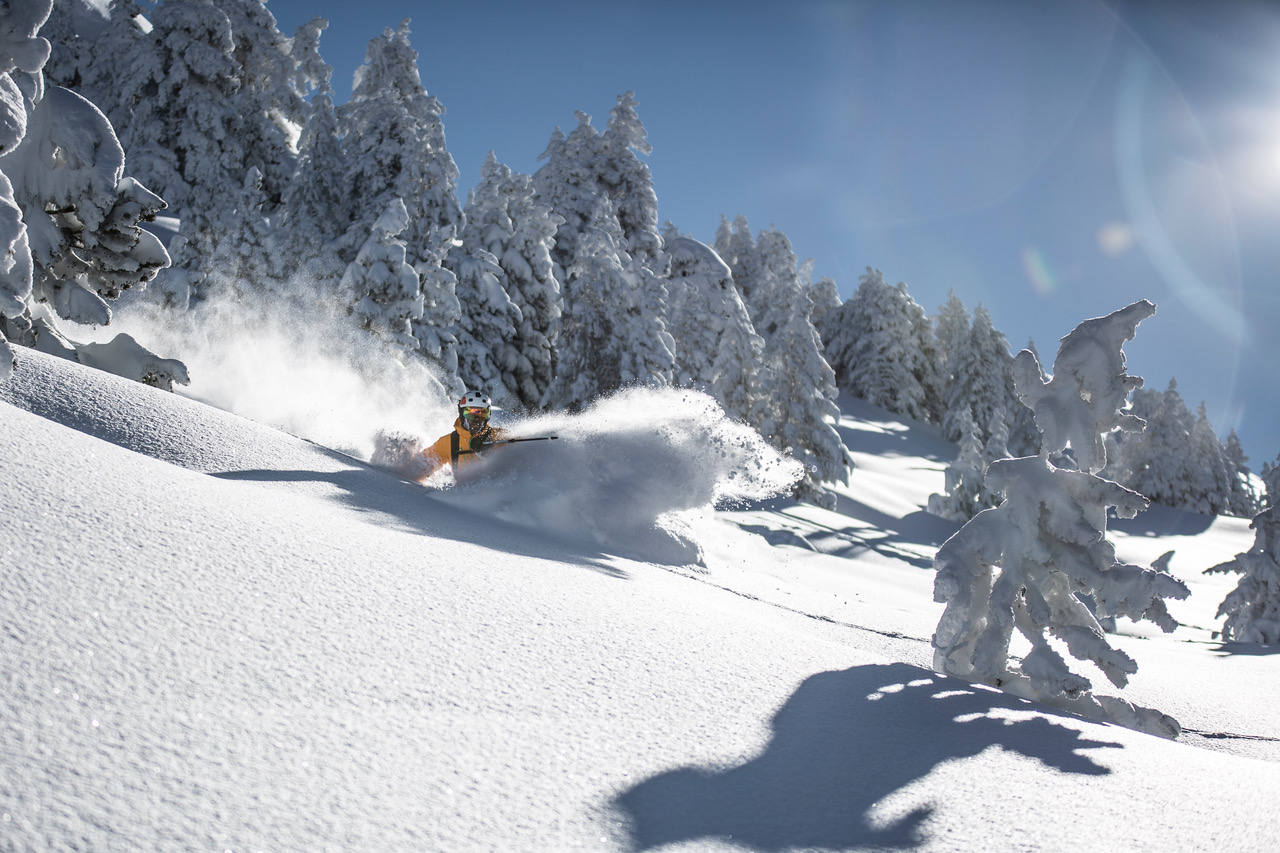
476,412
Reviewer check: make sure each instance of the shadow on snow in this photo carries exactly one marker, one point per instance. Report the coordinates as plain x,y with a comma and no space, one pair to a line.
414,508
879,532
842,743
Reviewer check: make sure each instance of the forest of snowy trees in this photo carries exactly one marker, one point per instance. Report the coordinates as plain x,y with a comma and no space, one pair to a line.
546,290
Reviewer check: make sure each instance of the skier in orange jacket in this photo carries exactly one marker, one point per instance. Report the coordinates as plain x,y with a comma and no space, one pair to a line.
471,434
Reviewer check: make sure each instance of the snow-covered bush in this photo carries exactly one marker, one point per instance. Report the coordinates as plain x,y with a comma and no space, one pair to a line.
68,214
1027,562
1252,609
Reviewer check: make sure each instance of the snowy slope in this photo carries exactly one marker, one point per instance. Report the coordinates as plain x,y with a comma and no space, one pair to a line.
219,636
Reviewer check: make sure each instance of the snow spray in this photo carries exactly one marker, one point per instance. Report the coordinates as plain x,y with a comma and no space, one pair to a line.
628,473
303,370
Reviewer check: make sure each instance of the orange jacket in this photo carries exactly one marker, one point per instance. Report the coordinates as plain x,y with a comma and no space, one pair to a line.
443,450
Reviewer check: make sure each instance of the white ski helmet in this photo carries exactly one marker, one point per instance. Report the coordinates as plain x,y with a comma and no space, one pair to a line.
474,409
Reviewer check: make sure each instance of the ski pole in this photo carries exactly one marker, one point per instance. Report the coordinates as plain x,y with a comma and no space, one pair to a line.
510,441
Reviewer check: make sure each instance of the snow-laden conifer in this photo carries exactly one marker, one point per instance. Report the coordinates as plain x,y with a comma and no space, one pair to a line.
394,135
487,355
243,257
1178,460
878,342
951,330
979,376
588,174
613,332
394,141
1270,475
964,494
1252,609
799,391
186,135
381,285
315,211
1244,498
717,349
276,74
1026,563
737,246
826,298
504,219
626,180
68,214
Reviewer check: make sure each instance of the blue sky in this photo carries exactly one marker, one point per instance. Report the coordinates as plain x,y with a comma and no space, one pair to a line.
1051,160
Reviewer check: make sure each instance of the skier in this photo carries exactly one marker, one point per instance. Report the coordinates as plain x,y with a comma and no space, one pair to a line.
471,434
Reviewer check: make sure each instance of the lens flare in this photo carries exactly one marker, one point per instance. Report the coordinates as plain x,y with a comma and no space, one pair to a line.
1038,272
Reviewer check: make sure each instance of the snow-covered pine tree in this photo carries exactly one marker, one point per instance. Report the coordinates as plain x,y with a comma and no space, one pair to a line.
183,127
964,495
716,348
82,37
1214,474
1271,483
1244,501
395,146
381,285
980,375
276,75
951,330
586,169
1252,609
68,214
486,333
1024,436
504,219
798,410
613,329
1026,563
826,298
626,180
877,345
738,249
566,184
1178,460
1152,461
315,214
613,332
243,257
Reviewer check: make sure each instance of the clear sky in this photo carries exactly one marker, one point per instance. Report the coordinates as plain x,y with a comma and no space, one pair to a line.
1050,160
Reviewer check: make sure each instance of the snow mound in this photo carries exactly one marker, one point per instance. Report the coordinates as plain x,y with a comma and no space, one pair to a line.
626,473
146,420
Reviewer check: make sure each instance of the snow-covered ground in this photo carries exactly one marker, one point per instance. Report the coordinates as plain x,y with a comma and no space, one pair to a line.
217,636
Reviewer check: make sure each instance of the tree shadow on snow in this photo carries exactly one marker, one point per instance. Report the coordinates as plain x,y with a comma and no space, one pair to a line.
841,744
414,508
884,534
920,440
1233,649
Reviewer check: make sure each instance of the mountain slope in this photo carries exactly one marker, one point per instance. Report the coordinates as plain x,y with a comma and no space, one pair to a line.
220,636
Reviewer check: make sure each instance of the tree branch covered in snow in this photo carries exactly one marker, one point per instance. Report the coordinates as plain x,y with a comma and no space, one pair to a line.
1252,609
69,217
1027,563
